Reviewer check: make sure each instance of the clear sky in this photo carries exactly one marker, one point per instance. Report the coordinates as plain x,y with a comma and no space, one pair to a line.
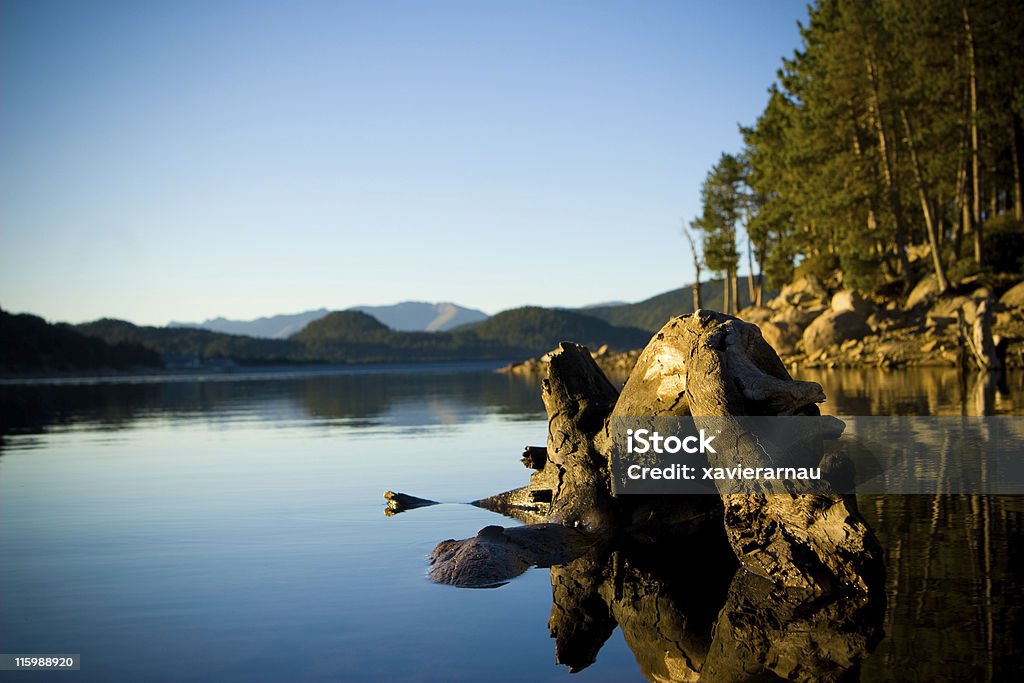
181,160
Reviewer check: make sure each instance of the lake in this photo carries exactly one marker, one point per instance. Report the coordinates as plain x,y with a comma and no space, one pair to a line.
231,527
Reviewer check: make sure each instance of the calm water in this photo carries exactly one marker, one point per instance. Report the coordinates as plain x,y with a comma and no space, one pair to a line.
232,528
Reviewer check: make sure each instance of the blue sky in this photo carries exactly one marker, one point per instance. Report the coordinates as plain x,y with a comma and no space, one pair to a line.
182,160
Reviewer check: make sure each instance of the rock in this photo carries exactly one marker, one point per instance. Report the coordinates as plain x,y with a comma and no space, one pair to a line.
782,336
981,294
849,300
831,328
924,291
756,314
879,321
1014,296
804,291
943,313
981,340
496,555
798,317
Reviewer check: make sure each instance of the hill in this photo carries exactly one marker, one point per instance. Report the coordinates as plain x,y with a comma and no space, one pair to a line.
30,344
181,345
651,314
355,337
539,329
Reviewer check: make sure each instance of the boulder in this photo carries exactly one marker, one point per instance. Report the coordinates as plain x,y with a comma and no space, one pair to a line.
1014,296
798,317
849,300
833,327
804,291
755,314
782,336
943,313
924,291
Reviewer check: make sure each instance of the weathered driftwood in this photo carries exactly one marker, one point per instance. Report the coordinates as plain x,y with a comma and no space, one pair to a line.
707,365
684,608
400,502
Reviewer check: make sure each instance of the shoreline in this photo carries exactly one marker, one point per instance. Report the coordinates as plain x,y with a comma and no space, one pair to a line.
245,373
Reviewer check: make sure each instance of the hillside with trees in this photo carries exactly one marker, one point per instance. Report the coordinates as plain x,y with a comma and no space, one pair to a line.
536,328
650,314
29,344
890,149
355,337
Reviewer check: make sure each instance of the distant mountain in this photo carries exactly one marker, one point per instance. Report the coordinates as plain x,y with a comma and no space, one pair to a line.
407,316
420,316
351,336
651,314
540,329
30,344
602,304
270,327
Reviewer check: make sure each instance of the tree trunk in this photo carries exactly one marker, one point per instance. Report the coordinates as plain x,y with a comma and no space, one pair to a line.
735,291
750,273
760,278
696,269
1017,142
926,207
888,176
975,161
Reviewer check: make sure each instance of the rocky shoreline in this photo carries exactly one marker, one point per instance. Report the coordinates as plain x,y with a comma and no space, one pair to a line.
813,326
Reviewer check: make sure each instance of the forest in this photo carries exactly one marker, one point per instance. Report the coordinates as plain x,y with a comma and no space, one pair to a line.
889,150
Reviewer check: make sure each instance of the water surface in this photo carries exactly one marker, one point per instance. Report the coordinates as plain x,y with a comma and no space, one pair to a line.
232,528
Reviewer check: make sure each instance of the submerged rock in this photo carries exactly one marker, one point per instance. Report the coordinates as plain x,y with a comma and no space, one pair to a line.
496,554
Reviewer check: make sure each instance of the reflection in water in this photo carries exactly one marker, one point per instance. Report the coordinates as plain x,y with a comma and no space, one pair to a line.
688,618
442,394
917,391
953,589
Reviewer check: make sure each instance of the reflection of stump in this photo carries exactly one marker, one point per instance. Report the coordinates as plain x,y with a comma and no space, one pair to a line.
689,620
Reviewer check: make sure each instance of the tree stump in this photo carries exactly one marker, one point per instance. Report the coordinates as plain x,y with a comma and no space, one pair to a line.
705,365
